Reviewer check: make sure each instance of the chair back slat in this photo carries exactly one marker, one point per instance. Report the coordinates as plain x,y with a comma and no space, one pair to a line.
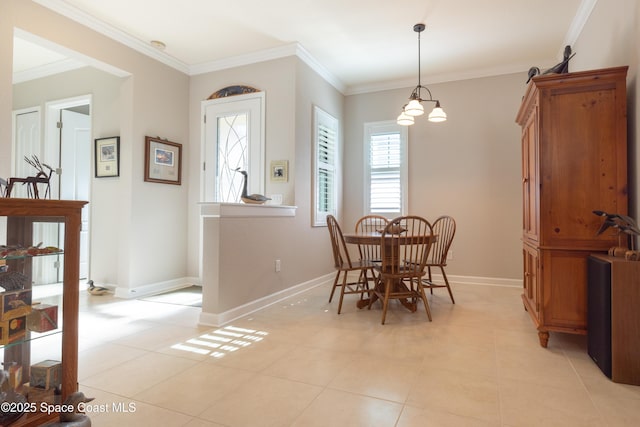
340,252
407,253
370,224
445,227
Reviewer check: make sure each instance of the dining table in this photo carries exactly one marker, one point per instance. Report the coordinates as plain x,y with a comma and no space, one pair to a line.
375,238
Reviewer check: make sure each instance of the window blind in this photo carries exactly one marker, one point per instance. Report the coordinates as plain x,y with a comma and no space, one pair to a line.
385,163
326,168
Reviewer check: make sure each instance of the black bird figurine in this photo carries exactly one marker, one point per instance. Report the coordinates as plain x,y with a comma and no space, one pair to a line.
623,223
559,68
255,199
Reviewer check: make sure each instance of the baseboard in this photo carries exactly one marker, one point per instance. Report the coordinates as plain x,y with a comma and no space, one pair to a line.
477,280
219,319
155,288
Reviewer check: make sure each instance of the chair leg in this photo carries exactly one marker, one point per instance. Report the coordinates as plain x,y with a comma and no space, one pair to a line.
385,302
344,286
424,299
446,281
335,283
430,281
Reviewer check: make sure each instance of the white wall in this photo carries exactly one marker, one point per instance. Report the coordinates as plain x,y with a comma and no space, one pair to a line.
105,90
467,167
151,243
291,89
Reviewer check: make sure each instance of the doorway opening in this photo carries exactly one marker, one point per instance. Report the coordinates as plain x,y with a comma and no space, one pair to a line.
66,148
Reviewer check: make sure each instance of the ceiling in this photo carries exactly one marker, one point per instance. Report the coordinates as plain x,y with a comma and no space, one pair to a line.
358,45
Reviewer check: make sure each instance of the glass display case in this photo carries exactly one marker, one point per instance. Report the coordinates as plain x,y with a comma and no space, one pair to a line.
39,297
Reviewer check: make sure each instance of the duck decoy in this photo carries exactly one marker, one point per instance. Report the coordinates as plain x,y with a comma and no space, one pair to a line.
255,199
623,223
96,290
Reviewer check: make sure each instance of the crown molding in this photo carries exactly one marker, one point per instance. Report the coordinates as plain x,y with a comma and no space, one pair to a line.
292,49
241,60
575,29
128,40
63,8
47,70
577,25
306,57
439,78
75,14
75,60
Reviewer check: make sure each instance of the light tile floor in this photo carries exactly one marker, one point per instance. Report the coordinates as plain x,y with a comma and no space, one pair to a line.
298,363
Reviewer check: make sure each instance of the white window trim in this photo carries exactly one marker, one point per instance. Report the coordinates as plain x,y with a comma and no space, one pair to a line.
389,126
319,116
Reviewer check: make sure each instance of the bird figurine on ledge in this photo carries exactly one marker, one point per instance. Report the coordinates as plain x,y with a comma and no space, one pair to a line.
255,199
624,224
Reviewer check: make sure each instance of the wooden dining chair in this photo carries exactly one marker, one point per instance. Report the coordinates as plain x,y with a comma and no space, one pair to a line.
344,265
370,224
445,228
405,244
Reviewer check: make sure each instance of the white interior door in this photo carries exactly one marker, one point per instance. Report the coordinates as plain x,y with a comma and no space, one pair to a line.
75,162
26,144
67,149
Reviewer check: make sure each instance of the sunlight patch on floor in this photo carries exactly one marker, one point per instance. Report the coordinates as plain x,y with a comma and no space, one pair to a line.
220,342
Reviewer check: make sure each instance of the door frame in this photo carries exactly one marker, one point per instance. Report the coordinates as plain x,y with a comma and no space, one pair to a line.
51,146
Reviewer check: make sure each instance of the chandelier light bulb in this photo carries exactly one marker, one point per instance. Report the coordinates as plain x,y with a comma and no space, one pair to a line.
404,119
414,108
437,114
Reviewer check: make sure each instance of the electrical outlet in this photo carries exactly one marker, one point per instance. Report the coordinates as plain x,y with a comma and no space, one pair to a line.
277,266
450,254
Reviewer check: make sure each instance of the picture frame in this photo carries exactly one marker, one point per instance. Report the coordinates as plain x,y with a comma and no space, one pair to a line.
107,157
163,161
279,170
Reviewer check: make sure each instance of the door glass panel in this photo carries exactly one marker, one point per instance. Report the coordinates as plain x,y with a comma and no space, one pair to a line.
232,154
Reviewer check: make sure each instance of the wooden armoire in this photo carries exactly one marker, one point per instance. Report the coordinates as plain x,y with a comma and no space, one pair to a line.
574,161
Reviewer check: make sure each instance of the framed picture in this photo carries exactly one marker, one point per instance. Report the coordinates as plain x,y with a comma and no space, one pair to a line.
107,157
163,161
279,170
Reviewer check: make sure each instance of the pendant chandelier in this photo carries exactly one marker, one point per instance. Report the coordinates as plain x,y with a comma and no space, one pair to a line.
414,107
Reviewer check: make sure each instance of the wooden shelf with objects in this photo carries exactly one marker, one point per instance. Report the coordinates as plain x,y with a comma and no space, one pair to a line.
574,161
38,332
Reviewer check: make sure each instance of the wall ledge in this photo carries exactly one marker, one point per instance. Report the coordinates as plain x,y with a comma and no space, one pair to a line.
242,210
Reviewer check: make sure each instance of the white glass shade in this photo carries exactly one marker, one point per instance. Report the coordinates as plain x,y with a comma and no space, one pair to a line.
414,108
437,115
404,119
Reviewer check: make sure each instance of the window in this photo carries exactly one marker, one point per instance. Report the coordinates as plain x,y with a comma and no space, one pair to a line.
233,138
385,168
325,141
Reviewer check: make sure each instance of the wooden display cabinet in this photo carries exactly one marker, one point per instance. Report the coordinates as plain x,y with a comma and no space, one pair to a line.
20,216
574,161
